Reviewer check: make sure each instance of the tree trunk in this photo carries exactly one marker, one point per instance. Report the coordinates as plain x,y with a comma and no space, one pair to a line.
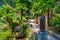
48,17
21,14
36,19
51,13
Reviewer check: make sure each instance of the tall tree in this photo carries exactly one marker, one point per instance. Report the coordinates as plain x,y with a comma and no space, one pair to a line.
38,8
51,5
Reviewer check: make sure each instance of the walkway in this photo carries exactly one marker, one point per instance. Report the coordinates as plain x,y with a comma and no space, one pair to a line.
36,29
51,37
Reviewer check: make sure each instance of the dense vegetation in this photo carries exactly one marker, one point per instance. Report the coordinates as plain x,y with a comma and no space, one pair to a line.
17,12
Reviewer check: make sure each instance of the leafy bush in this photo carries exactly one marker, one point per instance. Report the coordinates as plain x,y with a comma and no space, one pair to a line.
25,30
56,20
5,35
55,23
5,31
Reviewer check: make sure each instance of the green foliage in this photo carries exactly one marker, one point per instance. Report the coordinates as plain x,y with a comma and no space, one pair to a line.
55,20
6,14
58,9
22,4
5,31
5,35
9,15
12,16
11,3
12,12
55,23
25,33
41,6
58,33
36,8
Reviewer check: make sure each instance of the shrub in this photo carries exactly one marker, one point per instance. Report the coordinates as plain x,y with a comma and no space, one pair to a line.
5,31
55,23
